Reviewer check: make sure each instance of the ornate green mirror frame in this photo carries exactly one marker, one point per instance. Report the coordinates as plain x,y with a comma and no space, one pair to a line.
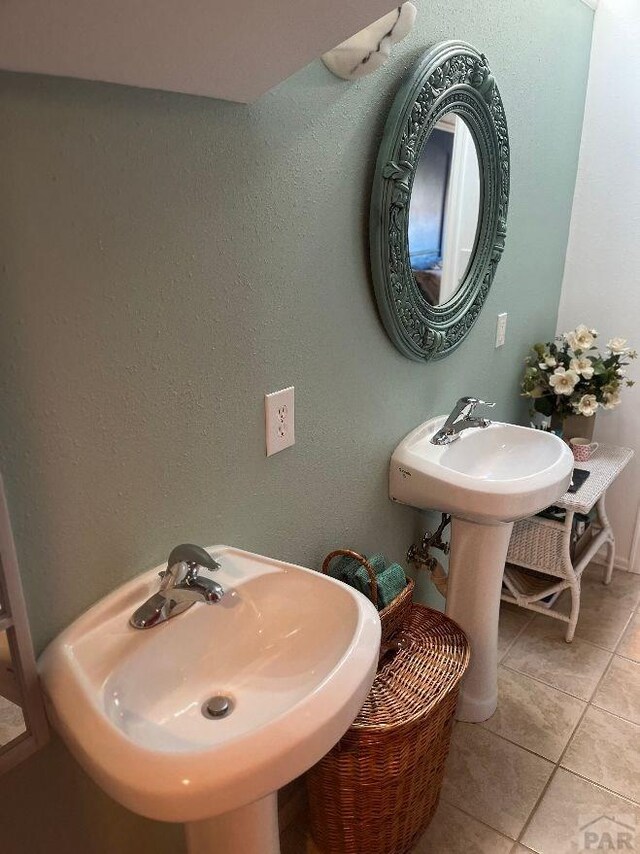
451,77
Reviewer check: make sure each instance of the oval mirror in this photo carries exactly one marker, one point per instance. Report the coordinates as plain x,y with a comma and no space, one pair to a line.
439,202
444,209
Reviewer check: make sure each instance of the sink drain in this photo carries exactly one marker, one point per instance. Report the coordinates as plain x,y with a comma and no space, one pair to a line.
217,707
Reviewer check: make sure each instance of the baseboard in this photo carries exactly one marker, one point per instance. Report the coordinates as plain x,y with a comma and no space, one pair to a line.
619,563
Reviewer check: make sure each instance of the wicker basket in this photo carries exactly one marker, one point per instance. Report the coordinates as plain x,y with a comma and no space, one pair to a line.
376,791
394,615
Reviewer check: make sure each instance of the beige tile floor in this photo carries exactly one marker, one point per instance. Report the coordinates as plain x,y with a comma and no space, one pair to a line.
556,770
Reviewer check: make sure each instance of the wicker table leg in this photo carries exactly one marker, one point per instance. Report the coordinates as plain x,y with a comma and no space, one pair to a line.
603,521
572,578
575,609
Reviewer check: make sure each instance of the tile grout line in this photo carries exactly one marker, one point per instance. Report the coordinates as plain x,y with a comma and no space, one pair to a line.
626,658
546,786
547,684
601,786
475,818
515,639
589,704
521,746
614,714
632,612
615,654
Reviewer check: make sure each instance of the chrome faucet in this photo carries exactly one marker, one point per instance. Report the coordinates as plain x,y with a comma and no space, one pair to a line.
180,587
461,418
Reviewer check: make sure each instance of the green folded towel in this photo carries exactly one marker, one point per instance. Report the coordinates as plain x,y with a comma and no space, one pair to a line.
390,579
352,572
391,582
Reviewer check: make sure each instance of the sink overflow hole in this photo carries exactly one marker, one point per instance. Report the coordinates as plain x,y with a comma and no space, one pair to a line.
217,707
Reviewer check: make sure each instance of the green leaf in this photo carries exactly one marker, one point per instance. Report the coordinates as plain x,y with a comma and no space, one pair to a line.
540,349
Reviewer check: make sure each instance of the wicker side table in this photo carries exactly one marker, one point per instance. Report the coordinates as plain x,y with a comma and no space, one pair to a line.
544,545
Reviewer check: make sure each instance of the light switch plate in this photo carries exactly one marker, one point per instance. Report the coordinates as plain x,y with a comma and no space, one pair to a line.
501,329
279,420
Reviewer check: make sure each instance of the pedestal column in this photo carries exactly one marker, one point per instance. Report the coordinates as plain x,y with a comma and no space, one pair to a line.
476,567
252,829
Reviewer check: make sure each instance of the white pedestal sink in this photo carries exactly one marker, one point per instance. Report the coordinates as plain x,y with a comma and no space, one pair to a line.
486,479
296,653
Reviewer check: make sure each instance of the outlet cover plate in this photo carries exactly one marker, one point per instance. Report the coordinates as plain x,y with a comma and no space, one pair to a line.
279,420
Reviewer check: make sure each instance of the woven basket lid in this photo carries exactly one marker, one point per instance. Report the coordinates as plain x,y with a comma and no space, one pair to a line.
433,657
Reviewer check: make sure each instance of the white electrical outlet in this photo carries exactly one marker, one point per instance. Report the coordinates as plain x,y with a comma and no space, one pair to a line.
501,329
279,420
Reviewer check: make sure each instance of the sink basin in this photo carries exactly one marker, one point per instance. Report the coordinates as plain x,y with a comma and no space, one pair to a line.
486,479
498,473
294,650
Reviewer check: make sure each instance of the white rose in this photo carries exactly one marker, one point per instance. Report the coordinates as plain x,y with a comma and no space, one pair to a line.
587,405
611,400
621,372
582,366
618,346
563,382
580,338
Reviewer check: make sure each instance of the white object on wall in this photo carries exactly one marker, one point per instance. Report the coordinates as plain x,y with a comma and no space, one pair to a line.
235,51
600,286
370,48
501,329
279,420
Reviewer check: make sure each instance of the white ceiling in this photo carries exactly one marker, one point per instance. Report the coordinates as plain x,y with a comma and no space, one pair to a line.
235,50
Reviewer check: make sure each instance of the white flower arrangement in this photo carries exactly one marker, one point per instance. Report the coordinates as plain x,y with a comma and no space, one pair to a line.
569,376
563,381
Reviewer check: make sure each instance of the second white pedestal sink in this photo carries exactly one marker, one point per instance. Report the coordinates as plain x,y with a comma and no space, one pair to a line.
487,479
293,650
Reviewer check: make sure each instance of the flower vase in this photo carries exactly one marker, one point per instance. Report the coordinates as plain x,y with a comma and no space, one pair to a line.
578,426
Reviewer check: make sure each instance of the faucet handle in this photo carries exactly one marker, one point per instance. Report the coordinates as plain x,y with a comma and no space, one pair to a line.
183,563
472,402
465,407
196,555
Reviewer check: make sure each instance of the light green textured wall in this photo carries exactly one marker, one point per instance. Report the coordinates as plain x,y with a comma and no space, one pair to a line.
166,260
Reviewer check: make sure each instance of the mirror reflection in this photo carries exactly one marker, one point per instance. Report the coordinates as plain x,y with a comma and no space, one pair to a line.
12,724
444,209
